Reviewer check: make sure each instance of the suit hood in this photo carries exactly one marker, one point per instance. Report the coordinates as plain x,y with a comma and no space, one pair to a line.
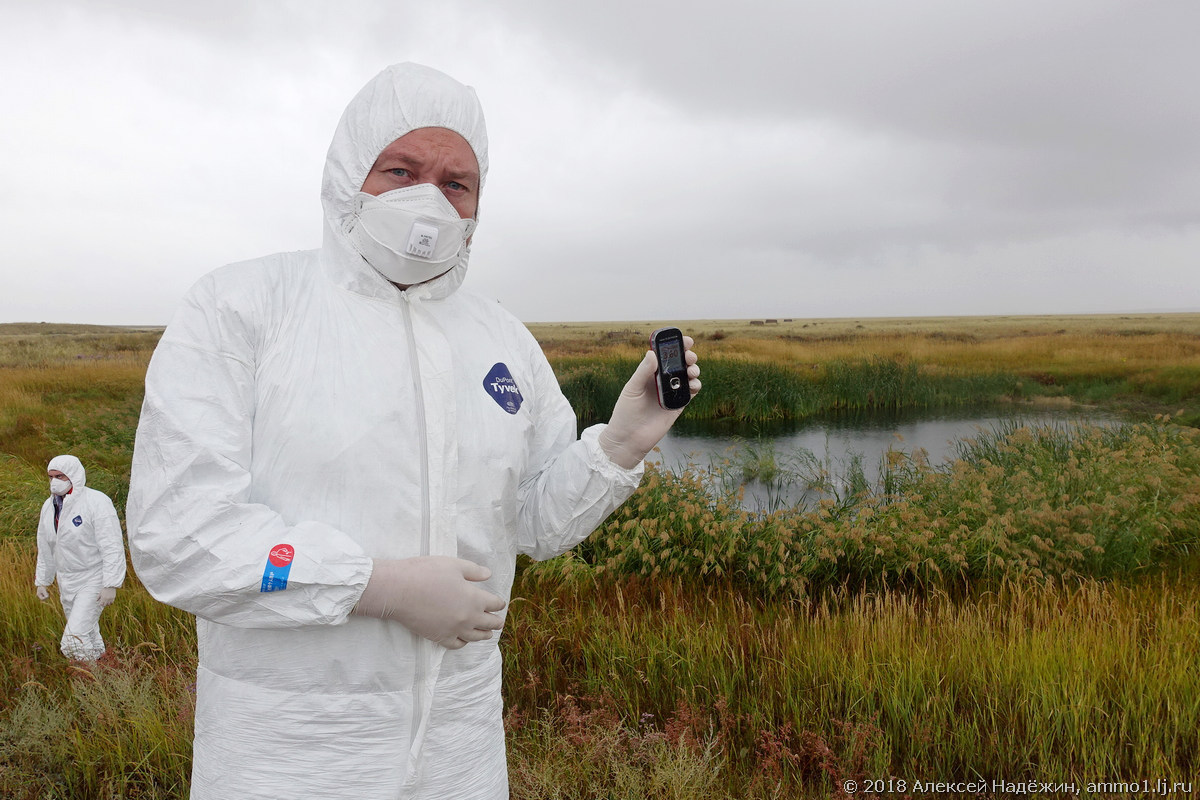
400,99
72,468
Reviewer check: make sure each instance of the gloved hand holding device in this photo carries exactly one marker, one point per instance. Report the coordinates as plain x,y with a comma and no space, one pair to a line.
638,422
42,592
434,597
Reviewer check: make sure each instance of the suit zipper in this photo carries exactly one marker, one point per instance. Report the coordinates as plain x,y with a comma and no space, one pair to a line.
423,439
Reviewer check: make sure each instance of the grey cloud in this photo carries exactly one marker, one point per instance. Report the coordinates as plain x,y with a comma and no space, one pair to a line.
698,160
1080,109
983,69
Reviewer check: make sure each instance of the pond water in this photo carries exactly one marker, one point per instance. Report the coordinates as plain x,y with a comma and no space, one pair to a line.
838,446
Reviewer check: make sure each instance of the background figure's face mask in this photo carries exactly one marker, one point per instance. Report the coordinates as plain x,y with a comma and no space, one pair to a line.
409,235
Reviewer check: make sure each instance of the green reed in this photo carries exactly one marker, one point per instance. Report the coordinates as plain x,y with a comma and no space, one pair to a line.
1043,504
744,390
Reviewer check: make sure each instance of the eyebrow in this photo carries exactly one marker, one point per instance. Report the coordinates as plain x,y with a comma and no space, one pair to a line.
406,159
463,175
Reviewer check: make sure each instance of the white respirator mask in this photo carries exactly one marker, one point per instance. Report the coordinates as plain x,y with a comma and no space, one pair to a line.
59,487
409,235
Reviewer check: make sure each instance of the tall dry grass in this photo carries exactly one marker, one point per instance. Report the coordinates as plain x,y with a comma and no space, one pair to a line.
119,728
1084,681
665,688
961,329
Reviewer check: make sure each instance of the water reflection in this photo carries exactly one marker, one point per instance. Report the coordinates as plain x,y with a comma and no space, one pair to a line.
845,445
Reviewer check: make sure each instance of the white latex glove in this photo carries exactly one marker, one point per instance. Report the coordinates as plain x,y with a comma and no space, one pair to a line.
434,597
42,592
638,422
106,597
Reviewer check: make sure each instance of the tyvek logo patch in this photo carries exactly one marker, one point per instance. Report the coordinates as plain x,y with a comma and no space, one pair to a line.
281,555
503,389
279,564
77,521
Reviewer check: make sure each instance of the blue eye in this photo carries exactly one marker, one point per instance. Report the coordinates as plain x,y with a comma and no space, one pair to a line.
399,172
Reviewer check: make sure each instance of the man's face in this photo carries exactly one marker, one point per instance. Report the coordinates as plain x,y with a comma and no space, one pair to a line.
429,155
53,473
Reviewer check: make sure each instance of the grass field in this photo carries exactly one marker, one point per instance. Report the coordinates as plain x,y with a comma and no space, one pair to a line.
1139,363
1030,612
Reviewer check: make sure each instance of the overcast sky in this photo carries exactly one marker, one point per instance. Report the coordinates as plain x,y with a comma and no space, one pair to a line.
650,160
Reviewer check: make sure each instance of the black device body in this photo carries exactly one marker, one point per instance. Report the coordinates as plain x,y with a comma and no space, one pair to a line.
671,379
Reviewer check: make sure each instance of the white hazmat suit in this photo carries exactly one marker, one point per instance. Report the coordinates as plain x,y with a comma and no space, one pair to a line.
85,552
304,416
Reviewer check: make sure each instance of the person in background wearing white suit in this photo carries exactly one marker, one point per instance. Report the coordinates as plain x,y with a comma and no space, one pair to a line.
79,544
340,455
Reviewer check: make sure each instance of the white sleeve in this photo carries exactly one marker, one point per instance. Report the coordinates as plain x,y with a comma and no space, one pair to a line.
196,541
109,540
575,485
46,569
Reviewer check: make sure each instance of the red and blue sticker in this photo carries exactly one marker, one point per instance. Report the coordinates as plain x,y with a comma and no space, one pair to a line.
503,389
279,564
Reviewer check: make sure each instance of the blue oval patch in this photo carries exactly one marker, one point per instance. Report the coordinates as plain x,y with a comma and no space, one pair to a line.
503,389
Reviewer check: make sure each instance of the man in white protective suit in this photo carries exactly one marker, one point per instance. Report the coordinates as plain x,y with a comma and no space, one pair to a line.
79,544
341,454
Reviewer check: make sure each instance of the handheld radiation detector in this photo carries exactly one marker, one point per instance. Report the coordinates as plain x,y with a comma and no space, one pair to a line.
671,378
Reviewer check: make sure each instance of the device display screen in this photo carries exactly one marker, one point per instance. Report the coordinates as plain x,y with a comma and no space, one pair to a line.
672,360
